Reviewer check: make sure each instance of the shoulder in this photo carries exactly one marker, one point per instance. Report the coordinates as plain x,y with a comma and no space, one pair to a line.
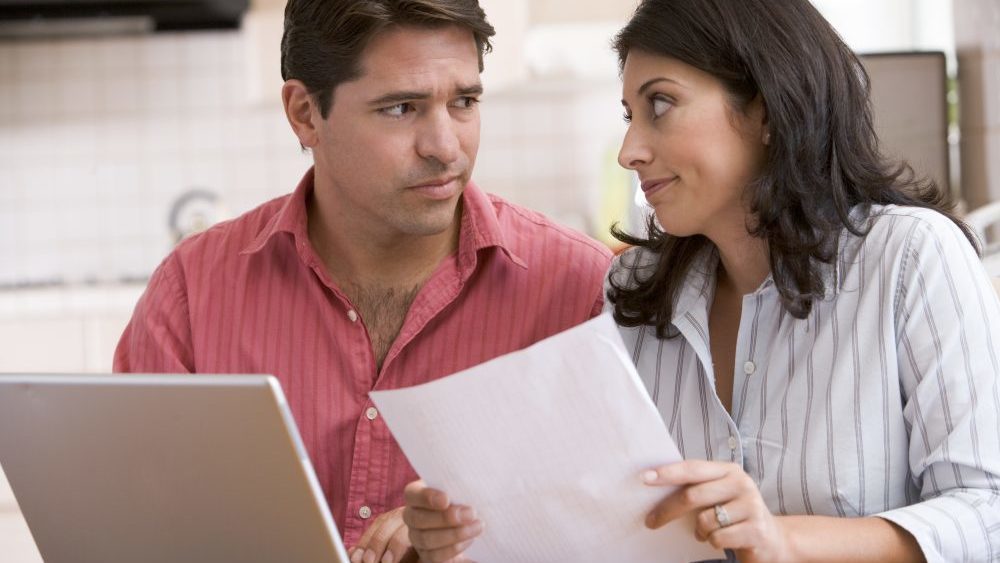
887,217
233,235
909,230
531,234
218,249
912,246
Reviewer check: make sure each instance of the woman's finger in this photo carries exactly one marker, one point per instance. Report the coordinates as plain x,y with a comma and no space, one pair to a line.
747,534
699,496
719,516
688,472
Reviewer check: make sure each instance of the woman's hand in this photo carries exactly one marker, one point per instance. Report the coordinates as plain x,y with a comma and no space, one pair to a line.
439,531
742,522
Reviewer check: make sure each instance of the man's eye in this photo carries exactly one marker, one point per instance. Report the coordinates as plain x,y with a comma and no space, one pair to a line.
397,110
466,102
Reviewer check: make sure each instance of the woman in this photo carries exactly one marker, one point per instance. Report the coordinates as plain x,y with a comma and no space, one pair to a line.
813,324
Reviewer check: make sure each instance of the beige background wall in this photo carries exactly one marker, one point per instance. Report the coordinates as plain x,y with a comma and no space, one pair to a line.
977,45
560,11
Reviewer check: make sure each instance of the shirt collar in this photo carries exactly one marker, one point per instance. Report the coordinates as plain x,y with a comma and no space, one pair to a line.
291,218
699,284
480,226
481,229
697,290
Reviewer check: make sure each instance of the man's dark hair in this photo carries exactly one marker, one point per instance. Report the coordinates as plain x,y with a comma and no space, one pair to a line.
823,157
324,39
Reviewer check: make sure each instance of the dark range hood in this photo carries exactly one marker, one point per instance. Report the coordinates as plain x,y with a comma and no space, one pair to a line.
32,18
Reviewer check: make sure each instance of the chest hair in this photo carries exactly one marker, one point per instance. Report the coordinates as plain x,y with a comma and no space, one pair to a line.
383,310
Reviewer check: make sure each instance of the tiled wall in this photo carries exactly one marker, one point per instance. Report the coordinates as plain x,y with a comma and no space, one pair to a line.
98,137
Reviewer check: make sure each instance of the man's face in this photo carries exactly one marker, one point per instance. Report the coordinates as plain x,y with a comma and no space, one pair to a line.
399,144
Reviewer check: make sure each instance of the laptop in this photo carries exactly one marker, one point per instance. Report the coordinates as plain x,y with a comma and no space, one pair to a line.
162,468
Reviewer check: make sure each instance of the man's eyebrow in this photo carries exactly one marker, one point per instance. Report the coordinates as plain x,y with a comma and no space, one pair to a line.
474,90
393,98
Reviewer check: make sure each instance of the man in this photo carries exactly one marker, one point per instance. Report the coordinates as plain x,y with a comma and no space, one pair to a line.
385,268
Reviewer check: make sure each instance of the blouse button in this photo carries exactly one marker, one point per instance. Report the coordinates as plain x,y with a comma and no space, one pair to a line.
749,368
353,315
733,443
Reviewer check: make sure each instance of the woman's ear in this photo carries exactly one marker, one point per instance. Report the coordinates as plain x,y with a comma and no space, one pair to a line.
765,127
300,108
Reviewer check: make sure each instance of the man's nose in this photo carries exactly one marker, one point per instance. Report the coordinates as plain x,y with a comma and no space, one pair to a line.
438,138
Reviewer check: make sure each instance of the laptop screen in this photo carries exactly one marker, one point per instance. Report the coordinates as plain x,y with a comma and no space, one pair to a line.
162,468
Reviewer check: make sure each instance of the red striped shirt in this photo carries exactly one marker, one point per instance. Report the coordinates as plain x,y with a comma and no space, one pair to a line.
251,296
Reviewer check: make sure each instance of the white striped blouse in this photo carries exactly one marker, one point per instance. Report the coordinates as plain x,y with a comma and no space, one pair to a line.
883,401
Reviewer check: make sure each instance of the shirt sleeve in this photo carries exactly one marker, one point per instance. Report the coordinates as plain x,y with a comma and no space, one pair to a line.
948,329
158,337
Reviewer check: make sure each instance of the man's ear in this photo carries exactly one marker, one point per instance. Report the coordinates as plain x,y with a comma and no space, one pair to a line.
300,109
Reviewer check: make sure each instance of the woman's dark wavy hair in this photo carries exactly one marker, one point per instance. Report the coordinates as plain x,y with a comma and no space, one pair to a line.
823,158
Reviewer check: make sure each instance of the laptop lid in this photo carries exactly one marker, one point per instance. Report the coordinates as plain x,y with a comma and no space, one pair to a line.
162,468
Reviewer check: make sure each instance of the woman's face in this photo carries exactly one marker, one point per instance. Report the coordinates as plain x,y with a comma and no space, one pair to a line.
693,151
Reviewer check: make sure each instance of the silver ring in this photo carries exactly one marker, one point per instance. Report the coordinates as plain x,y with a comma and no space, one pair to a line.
722,517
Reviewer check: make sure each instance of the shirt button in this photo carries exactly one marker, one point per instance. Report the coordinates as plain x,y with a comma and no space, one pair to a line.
749,368
371,413
365,513
353,315
733,443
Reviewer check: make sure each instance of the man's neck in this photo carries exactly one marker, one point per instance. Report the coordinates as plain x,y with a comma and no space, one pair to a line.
369,255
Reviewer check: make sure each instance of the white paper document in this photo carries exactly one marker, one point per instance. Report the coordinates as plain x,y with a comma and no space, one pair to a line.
548,445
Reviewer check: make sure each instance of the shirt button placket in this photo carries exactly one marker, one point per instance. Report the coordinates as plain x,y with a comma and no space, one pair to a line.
734,446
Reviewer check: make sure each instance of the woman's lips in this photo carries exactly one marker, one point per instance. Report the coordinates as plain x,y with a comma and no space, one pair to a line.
649,187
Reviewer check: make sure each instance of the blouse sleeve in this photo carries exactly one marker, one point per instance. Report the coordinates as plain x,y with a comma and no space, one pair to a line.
948,331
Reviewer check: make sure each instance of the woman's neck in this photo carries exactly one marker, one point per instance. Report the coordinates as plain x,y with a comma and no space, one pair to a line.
743,262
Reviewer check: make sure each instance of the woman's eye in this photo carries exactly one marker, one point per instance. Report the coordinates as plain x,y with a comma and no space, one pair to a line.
397,110
627,117
660,106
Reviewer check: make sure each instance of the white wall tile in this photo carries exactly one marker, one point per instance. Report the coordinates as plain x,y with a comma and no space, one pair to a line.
201,89
118,56
32,61
126,125
36,98
78,97
41,346
6,64
161,52
161,91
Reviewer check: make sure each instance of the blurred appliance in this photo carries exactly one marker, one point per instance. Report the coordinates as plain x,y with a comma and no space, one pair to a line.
194,211
47,18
